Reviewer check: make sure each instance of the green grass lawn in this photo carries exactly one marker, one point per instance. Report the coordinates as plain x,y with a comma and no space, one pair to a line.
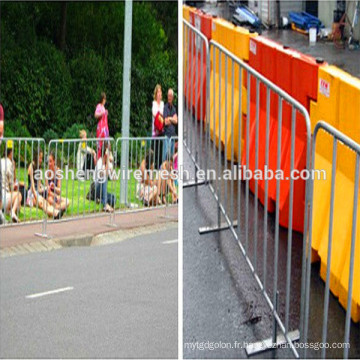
76,192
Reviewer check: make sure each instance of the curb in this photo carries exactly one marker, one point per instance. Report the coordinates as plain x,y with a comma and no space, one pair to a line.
109,237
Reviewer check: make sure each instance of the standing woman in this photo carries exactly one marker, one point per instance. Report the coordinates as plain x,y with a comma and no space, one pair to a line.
157,120
102,130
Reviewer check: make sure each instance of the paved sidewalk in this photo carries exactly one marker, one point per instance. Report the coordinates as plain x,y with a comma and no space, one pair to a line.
89,227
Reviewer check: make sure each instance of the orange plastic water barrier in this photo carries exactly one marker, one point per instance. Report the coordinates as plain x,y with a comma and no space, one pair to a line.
288,69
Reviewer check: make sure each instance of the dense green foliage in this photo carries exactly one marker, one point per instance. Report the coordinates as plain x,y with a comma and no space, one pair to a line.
50,89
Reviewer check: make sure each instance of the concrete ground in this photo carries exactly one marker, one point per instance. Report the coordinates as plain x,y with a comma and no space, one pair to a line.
117,301
343,58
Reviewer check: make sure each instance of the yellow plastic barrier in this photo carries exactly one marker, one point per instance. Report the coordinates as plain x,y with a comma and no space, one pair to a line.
236,40
344,195
217,35
338,103
332,88
186,16
228,41
327,105
344,281
241,50
186,12
321,210
349,107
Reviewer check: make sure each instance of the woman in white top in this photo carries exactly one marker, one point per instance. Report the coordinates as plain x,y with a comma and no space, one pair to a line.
11,197
157,106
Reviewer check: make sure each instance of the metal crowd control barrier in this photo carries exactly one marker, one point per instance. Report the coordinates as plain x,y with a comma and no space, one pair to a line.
139,189
20,156
80,192
250,235
67,183
337,138
197,50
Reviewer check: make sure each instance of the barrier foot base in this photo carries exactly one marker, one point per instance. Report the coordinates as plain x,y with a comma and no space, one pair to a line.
209,229
111,225
267,344
43,235
194,183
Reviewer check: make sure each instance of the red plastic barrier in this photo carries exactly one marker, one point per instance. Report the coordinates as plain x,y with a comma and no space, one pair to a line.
304,82
262,57
297,74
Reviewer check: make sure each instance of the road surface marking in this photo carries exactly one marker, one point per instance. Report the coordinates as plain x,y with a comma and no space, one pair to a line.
49,292
170,242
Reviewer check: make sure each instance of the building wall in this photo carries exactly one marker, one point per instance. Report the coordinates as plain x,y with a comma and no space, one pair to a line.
326,12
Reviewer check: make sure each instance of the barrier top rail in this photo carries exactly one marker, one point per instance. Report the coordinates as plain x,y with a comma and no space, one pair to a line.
198,33
337,134
22,138
52,141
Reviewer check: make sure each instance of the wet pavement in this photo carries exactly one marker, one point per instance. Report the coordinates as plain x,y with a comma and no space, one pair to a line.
221,298
348,60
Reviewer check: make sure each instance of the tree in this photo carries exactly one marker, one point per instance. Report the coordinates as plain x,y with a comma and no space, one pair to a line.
62,34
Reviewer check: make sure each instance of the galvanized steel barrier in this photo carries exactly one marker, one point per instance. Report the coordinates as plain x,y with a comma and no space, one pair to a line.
218,128
22,155
65,181
338,140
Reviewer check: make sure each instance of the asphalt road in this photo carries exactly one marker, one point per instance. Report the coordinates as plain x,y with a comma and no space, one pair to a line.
120,300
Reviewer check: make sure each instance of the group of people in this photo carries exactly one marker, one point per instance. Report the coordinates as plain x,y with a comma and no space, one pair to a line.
165,120
153,190
47,196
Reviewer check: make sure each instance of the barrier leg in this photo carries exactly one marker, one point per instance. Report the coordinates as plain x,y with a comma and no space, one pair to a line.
275,341
43,230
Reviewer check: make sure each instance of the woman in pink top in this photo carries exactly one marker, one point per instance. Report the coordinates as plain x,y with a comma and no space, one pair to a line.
102,130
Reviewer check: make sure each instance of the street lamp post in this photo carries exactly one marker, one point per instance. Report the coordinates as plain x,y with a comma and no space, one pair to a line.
126,97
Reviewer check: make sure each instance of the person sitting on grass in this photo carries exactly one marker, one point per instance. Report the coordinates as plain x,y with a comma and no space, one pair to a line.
11,197
147,190
53,186
166,181
86,156
37,193
101,178
2,218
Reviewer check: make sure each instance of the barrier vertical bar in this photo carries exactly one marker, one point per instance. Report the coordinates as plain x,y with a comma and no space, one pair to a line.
239,152
232,144
331,217
266,185
247,162
289,239
219,147
277,210
225,142
257,115
352,256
